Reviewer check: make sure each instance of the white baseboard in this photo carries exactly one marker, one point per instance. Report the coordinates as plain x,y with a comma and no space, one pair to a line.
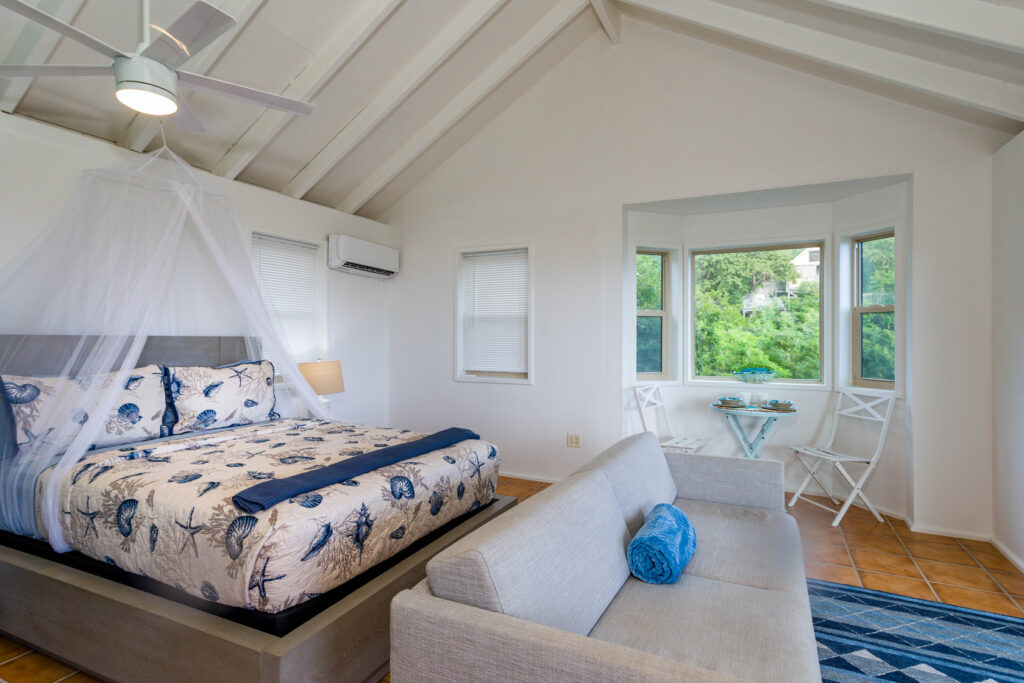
856,503
1010,555
919,528
925,529
892,513
940,531
529,477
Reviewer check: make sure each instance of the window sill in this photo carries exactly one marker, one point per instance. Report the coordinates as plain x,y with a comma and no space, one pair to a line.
492,380
655,379
737,385
877,391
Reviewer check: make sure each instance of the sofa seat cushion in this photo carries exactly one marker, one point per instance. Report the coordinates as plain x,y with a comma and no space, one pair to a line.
750,633
639,475
746,546
557,560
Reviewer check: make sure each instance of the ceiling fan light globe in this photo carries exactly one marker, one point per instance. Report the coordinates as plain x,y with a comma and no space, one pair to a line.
146,101
146,85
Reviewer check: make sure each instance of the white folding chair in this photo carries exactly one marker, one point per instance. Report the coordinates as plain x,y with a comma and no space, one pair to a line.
648,402
858,404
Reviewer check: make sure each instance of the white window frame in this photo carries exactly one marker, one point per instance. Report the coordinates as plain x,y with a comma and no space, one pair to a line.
319,289
857,310
843,344
825,282
665,313
459,374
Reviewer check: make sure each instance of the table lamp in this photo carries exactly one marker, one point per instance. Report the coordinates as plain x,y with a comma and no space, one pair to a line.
324,376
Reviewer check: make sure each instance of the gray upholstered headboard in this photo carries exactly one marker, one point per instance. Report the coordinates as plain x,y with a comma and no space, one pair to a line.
49,351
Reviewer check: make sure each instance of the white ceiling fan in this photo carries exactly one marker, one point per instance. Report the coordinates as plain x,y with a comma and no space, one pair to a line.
148,79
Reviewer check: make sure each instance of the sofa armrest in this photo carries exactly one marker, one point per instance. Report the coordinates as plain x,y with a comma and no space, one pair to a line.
748,482
433,639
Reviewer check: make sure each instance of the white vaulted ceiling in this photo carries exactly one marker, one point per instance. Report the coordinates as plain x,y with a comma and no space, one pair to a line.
400,84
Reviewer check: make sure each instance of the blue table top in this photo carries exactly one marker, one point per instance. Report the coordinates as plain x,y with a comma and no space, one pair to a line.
754,411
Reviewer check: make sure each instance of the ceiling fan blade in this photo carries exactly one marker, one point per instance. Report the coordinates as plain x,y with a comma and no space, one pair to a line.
200,25
44,70
262,98
186,119
55,24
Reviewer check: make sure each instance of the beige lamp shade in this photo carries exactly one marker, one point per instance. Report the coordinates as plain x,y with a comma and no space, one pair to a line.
324,376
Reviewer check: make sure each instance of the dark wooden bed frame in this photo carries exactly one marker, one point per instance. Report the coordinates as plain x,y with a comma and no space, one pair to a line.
121,633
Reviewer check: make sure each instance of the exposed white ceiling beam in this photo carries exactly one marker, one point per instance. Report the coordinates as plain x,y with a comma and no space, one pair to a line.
143,129
419,69
611,20
494,75
34,45
976,21
337,51
938,80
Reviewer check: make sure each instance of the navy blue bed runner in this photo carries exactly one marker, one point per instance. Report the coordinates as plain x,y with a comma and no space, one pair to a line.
268,493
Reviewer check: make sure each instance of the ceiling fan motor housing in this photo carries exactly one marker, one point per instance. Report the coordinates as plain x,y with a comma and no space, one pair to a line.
142,73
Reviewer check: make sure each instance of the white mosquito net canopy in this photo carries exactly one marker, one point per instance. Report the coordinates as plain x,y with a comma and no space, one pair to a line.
144,248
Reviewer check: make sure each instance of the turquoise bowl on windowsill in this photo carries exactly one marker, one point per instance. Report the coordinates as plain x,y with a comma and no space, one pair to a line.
754,375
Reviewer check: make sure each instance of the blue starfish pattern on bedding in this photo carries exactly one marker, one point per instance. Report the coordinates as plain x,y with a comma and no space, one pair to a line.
164,508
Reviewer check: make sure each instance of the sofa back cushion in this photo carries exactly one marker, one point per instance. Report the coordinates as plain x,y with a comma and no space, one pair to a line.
557,560
639,475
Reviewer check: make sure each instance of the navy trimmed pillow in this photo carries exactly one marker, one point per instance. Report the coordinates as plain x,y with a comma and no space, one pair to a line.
137,414
209,398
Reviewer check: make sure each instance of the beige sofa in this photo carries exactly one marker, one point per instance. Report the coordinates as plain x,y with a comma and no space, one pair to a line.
543,593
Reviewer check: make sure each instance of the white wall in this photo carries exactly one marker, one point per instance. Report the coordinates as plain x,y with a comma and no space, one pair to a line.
661,116
40,166
1007,343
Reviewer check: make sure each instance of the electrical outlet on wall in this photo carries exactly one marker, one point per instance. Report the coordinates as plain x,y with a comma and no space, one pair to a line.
573,440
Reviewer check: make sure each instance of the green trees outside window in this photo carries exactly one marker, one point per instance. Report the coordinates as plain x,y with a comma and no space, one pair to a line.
762,307
874,315
758,308
651,325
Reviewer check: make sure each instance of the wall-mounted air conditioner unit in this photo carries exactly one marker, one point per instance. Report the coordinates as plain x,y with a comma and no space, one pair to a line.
359,257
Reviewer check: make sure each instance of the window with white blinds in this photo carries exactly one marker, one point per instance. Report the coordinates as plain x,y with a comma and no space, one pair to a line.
291,281
495,314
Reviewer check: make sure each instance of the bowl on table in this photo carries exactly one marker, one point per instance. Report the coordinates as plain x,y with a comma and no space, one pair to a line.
779,405
730,401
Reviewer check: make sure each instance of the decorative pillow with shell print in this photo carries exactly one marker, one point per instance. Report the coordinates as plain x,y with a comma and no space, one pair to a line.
137,415
208,398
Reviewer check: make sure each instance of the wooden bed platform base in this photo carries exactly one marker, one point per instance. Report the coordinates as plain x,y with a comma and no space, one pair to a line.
124,634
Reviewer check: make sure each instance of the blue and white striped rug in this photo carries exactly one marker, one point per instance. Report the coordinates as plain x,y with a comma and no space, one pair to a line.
865,635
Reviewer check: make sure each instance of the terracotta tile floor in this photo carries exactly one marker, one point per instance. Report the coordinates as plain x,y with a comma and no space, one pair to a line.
889,557
885,556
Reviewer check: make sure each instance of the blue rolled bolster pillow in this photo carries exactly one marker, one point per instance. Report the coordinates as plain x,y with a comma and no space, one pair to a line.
663,546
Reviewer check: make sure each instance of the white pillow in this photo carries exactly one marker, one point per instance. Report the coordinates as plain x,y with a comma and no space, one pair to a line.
208,398
29,397
137,414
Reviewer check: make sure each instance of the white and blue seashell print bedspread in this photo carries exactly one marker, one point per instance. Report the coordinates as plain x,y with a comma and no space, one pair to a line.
164,510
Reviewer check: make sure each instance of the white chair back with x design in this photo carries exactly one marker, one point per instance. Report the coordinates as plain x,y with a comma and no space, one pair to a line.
855,404
649,404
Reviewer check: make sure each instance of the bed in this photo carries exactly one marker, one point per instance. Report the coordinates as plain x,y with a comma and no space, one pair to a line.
167,562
